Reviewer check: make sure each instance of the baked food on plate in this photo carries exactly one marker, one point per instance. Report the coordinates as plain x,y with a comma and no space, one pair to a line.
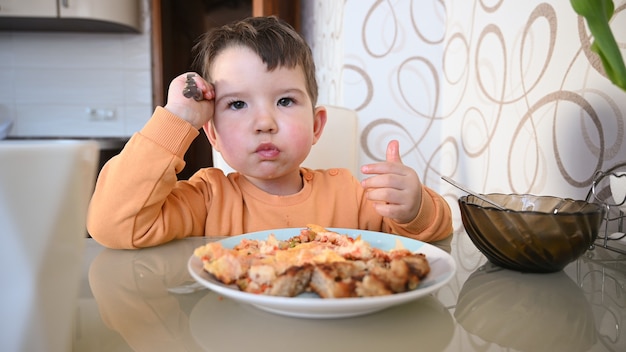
331,264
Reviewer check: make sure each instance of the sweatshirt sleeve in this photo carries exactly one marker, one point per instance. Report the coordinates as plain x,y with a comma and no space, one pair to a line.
432,223
135,188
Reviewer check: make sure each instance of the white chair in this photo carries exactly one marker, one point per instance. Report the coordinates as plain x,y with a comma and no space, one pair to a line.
338,146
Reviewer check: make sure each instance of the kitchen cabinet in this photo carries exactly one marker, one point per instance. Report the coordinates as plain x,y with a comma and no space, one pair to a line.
71,15
28,8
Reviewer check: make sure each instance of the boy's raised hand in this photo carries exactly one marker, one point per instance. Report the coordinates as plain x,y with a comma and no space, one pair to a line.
196,112
395,188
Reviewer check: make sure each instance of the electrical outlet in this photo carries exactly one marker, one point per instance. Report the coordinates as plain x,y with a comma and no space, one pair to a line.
100,114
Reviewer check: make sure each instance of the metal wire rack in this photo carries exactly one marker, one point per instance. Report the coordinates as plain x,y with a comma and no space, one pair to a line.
613,231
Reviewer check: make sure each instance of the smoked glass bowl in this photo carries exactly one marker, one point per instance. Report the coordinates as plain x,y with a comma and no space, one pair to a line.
539,234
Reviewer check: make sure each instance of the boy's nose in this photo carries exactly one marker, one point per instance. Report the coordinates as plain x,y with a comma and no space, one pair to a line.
265,122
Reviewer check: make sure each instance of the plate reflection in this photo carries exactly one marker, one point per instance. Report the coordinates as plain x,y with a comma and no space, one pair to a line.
221,324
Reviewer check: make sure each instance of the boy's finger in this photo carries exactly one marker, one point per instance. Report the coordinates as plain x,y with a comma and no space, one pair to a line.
393,152
209,91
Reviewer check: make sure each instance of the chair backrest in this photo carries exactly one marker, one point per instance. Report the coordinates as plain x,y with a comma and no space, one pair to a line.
338,146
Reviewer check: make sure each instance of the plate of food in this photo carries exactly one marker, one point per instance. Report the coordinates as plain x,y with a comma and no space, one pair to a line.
321,273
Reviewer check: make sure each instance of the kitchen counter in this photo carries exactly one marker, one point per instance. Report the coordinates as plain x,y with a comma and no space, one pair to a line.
103,142
145,300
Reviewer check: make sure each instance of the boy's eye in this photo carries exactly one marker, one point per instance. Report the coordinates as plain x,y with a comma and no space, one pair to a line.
236,105
285,101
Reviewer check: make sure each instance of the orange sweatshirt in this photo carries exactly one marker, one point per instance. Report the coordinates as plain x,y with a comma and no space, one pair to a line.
138,201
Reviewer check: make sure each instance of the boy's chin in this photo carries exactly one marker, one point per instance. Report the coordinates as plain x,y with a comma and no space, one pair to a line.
271,172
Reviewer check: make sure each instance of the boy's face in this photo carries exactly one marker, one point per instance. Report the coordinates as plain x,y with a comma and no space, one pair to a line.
264,123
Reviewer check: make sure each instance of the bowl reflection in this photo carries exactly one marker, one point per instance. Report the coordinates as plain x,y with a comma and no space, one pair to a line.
526,312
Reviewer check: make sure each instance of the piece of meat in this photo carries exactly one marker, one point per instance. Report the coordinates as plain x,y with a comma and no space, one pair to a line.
394,275
227,268
418,264
293,282
336,280
371,286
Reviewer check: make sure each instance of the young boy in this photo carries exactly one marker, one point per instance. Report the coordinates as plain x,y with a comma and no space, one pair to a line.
257,107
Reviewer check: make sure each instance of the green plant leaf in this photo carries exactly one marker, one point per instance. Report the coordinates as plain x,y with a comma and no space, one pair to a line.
597,13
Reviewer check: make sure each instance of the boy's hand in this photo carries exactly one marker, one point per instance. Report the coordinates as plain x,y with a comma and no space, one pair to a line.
396,190
195,112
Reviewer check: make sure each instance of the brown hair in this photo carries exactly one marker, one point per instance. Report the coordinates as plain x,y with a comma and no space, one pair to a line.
273,39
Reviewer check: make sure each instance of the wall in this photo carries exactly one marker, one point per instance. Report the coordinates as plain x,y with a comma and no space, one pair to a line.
500,95
76,84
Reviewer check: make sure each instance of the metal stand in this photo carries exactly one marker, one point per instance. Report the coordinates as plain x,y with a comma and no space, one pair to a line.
614,216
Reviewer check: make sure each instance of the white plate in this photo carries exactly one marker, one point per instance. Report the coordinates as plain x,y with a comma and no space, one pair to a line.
442,269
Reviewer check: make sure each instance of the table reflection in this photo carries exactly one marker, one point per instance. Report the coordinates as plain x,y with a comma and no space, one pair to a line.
602,279
526,312
132,290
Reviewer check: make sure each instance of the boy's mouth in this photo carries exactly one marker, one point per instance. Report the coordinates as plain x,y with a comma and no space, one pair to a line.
267,151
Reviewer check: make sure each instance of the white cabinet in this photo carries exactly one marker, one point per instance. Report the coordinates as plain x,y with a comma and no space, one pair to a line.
28,8
76,15
124,12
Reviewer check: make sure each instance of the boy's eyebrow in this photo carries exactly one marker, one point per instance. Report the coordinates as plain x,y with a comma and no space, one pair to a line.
222,93
293,91
219,98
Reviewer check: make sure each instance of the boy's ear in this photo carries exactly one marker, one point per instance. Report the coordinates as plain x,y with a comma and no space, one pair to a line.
319,121
209,130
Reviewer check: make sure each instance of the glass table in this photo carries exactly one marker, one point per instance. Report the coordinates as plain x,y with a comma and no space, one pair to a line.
145,300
